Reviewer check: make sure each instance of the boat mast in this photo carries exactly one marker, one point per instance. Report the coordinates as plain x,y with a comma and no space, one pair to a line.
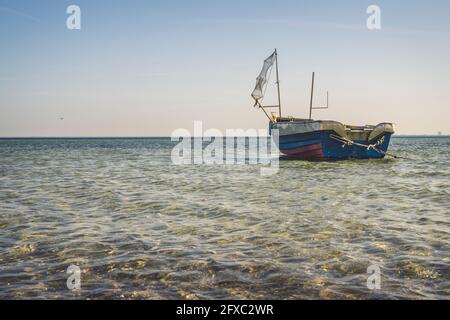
312,93
312,98
278,82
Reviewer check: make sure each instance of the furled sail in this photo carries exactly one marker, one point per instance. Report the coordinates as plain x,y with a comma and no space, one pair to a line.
261,80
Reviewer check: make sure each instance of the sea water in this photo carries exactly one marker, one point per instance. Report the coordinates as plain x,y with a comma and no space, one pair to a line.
137,226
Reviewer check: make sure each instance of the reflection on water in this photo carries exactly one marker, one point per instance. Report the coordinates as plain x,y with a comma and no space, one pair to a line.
142,228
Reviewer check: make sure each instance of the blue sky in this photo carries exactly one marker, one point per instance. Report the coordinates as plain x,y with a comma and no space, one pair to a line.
144,68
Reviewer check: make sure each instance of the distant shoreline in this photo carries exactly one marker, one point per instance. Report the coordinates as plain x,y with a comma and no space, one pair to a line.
168,137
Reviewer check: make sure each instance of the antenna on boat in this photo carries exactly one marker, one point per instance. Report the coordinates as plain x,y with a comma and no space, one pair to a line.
312,94
311,101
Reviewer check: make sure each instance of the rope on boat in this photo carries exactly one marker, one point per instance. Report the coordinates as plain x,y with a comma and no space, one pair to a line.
348,142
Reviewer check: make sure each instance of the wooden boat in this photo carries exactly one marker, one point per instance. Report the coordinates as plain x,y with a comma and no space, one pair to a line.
309,139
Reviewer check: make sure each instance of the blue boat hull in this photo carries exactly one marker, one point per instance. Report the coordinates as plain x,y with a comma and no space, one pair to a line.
321,145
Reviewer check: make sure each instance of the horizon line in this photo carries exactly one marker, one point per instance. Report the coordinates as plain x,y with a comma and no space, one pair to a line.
150,137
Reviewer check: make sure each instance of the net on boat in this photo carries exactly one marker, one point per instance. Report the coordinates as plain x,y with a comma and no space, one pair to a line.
261,80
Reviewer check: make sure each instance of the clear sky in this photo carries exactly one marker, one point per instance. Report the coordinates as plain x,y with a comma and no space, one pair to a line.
145,68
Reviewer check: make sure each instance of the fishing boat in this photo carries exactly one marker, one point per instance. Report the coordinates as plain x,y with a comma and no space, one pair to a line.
308,139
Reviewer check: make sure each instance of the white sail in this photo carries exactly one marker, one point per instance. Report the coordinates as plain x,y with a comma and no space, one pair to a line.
261,80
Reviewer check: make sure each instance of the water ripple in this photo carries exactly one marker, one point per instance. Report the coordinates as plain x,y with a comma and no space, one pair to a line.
142,228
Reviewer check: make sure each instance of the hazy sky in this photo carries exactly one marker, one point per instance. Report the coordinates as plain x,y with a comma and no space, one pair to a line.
145,68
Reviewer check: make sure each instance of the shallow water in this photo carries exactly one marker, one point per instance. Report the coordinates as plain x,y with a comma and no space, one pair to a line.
140,227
